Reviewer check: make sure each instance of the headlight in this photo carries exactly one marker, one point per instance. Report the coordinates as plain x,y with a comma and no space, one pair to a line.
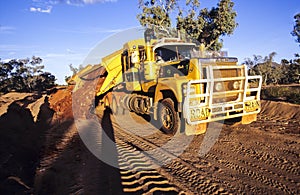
218,86
236,85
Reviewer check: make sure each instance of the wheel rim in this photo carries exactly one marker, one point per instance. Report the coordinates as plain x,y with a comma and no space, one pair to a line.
167,118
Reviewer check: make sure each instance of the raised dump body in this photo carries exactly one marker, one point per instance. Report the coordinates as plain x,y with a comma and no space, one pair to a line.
113,67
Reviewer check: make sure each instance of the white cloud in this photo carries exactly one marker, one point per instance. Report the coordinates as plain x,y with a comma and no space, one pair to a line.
80,2
92,30
54,55
12,53
45,6
97,1
71,2
68,55
38,9
7,29
14,48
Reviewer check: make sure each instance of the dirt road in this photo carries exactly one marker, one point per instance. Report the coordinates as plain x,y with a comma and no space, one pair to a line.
258,158
47,154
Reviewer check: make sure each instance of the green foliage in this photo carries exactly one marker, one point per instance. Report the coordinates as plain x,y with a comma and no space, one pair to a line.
296,30
273,73
263,66
218,21
156,13
283,93
292,72
204,25
190,23
24,75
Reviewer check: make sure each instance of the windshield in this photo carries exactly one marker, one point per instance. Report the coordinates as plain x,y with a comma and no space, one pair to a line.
174,52
178,69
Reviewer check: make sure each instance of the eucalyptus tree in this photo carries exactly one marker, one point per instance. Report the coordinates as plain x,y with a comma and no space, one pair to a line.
25,75
296,30
206,25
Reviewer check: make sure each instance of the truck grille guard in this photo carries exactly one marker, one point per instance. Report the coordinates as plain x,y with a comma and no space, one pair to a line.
224,110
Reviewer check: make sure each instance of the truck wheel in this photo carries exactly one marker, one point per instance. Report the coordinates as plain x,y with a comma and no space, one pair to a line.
167,117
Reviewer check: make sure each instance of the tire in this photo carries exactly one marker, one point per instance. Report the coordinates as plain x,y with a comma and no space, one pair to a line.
167,116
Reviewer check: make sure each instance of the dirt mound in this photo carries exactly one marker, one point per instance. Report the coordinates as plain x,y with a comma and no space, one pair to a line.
35,107
21,140
280,109
61,102
7,99
31,126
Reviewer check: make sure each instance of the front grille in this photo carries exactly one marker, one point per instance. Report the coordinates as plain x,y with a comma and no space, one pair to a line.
227,73
227,85
222,99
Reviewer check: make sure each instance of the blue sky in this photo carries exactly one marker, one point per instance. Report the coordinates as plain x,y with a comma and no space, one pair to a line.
63,32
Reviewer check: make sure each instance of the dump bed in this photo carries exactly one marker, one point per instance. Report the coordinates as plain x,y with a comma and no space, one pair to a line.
113,66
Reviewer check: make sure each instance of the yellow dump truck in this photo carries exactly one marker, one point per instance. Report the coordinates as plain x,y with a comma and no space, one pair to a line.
178,84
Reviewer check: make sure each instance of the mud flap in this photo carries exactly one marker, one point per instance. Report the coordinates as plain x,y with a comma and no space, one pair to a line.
247,119
195,129
191,129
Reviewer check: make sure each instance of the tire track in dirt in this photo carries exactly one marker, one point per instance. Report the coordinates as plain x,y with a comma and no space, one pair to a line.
272,151
291,153
269,159
48,159
250,173
258,167
258,152
180,172
278,124
256,160
137,176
